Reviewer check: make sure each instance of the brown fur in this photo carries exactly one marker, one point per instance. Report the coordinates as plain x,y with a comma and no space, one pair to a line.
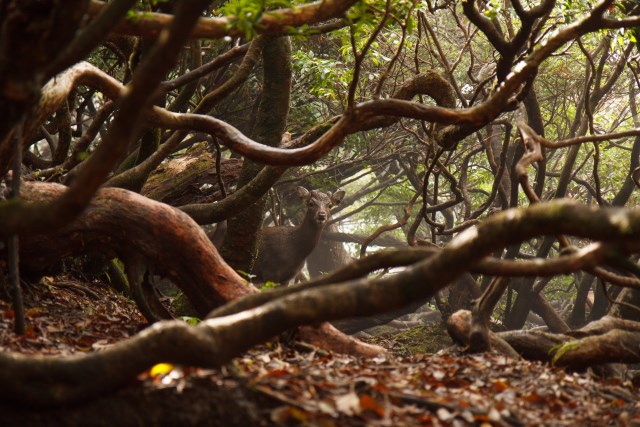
283,250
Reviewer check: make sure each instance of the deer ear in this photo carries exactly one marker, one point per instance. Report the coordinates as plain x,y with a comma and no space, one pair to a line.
303,193
336,198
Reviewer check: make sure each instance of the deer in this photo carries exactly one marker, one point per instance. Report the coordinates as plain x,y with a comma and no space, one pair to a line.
283,249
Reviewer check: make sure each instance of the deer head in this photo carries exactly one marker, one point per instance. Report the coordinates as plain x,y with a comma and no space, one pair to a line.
319,204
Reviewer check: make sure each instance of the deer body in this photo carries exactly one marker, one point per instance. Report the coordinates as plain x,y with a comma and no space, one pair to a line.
284,249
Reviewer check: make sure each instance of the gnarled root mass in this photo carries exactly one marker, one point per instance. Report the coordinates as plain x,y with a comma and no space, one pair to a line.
135,229
608,340
143,232
153,232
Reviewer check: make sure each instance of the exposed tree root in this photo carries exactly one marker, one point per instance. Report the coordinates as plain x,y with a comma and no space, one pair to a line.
123,224
48,381
459,328
326,336
605,341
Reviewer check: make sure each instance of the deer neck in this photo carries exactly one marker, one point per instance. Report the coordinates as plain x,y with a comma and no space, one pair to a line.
308,234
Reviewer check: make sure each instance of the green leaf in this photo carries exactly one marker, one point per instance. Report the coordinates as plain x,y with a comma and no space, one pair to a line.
411,25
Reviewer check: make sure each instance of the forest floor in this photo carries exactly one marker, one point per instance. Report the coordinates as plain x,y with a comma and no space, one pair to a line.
289,383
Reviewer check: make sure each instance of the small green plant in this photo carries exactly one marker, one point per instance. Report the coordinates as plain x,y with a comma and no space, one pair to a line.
492,9
270,285
246,275
190,320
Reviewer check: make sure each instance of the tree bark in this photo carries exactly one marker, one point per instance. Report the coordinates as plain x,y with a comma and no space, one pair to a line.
123,224
241,240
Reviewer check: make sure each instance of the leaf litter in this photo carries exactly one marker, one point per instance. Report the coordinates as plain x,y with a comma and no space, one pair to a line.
66,316
309,386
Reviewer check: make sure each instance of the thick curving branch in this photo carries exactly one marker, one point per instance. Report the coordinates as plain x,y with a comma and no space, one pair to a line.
22,218
466,121
273,22
116,223
33,34
582,259
90,36
19,217
134,178
428,83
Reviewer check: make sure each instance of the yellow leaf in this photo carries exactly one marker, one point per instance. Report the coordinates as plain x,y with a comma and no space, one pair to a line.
161,369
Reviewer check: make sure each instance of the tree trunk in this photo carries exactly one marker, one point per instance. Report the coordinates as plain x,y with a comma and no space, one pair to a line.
241,242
